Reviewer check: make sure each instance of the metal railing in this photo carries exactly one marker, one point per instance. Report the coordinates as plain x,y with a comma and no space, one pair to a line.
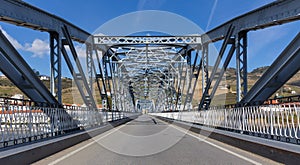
278,122
23,122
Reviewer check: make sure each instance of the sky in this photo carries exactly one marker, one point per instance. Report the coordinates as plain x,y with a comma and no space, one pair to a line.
263,46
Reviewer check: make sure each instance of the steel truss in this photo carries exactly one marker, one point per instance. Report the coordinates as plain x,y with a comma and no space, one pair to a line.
90,66
148,70
20,73
281,70
275,13
79,76
142,67
118,40
99,75
55,62
241,66
207,97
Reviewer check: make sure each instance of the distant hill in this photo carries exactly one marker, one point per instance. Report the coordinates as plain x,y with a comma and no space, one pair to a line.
227,87
8,89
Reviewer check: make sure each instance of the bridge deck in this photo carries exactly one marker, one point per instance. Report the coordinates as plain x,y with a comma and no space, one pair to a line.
146,140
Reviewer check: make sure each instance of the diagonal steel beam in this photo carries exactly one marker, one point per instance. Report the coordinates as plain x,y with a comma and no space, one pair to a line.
100,75
20,73
281,70
223,69
88,96
205,100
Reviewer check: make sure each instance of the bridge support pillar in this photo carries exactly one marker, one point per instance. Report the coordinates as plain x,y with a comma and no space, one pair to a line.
55,62
241,66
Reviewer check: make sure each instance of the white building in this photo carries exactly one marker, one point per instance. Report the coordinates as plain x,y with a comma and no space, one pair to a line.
44,77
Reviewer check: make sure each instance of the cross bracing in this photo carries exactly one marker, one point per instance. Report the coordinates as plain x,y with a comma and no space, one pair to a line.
149,66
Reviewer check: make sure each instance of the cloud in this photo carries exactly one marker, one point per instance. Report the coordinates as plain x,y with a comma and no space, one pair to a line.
80,50
38,47
13,41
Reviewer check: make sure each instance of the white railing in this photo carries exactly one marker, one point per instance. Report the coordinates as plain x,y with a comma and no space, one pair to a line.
23,123
273,121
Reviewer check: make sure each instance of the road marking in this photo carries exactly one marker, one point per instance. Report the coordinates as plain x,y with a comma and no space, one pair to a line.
175,127
219,147
85,146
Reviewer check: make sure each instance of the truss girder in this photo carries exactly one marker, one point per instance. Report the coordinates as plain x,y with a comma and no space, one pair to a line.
55,62
123,40
241,66
281,70
147,70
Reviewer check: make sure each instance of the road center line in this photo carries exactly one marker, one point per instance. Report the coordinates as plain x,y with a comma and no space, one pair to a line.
85,146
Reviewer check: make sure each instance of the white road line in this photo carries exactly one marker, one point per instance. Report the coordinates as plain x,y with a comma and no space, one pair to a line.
85,146
219,147
175,127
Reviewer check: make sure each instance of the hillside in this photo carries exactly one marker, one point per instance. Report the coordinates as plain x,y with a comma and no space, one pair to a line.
225,94
8,89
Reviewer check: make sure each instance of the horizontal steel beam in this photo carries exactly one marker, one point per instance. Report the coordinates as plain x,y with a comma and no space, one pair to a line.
282,69
276,13
116,40
26,15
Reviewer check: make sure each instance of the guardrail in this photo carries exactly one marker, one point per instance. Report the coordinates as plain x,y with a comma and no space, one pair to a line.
279,122
23,122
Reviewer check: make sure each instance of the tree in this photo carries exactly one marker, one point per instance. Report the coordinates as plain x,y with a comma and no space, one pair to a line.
37,73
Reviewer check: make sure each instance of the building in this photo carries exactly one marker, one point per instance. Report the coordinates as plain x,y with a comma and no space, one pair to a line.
44,77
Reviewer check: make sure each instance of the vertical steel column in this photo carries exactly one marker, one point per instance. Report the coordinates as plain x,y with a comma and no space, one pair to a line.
105,79
179,79
189,58
241,66
120,89
55,66
190,91
104,96
113,71
205,66
89,63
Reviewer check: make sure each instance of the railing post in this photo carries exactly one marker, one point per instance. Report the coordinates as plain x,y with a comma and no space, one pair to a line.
271,121
243,120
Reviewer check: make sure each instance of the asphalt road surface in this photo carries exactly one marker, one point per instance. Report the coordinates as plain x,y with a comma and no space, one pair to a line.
147,140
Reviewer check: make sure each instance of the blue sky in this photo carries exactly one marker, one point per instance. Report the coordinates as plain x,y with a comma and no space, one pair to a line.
264,45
